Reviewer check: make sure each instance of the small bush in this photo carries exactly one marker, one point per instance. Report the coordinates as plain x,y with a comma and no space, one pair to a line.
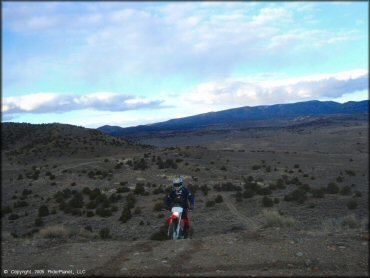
158,206
131,200
13,216
298,195
239,196
39,222
126,215
358,194
104,233
90,213
248,193
137,210
161,234
318,193
350,173
219,199
43,211
54,232
275,219
103,212
352,204
139,189
350,221
210,203
346,190
123,189
332,188
267,202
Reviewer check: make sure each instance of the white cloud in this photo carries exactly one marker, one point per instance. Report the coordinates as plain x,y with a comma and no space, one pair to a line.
239,92
54,102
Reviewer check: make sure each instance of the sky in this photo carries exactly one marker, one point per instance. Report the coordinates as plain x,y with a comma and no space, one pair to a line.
131,63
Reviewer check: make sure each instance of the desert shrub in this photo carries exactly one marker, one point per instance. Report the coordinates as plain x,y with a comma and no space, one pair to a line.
248,193
340,179
26,192
267,202
219,199
350,173
103,212
256,167
114,198
43,211
158,190
352,204
20,204
204,188
139,189
13,216
94,194
161,234
296,166
263,190
88,228
73,184
39,222
358,194
318,193
137,210
54,232
228,186
346,190
239,196
223,168
123,189
5,210
140,164
125,215
332,188
298,195
275,219
210,203
276,200
76,201
350,221
86,190
158,206
91,205
90,213
104,233
131,200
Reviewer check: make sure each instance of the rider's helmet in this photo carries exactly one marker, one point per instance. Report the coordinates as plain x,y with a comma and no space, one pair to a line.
178,184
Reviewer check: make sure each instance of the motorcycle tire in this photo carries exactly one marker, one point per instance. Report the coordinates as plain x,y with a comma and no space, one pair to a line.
171,228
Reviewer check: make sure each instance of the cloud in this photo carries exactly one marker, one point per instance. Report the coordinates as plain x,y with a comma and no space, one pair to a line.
54,102
192,39
239,92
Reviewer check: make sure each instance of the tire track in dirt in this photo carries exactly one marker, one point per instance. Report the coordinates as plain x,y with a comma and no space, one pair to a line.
251,224
114,265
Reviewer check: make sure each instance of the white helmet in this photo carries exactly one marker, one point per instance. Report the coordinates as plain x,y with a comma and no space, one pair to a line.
178,183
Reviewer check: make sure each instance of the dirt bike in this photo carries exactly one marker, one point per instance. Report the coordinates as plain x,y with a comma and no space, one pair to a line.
175,224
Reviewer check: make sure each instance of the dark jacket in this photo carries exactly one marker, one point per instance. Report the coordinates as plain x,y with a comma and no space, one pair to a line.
184,198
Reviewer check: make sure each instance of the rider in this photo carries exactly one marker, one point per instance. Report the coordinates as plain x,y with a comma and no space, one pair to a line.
184,198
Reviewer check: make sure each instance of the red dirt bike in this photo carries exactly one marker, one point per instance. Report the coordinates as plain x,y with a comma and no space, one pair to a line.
176,224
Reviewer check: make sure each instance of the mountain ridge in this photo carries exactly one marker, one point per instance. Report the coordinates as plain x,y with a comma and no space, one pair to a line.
246,114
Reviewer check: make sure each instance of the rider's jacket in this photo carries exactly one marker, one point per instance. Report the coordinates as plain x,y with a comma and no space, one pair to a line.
183,197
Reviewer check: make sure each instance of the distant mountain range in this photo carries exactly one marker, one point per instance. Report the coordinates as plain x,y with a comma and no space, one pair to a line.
275,115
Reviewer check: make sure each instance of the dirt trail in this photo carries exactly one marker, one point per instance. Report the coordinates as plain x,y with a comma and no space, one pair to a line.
250,223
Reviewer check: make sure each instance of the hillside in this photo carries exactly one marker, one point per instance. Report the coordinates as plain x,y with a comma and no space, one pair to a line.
290,201
273,115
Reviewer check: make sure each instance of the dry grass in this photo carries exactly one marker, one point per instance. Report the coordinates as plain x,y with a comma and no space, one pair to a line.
275,219
54,232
